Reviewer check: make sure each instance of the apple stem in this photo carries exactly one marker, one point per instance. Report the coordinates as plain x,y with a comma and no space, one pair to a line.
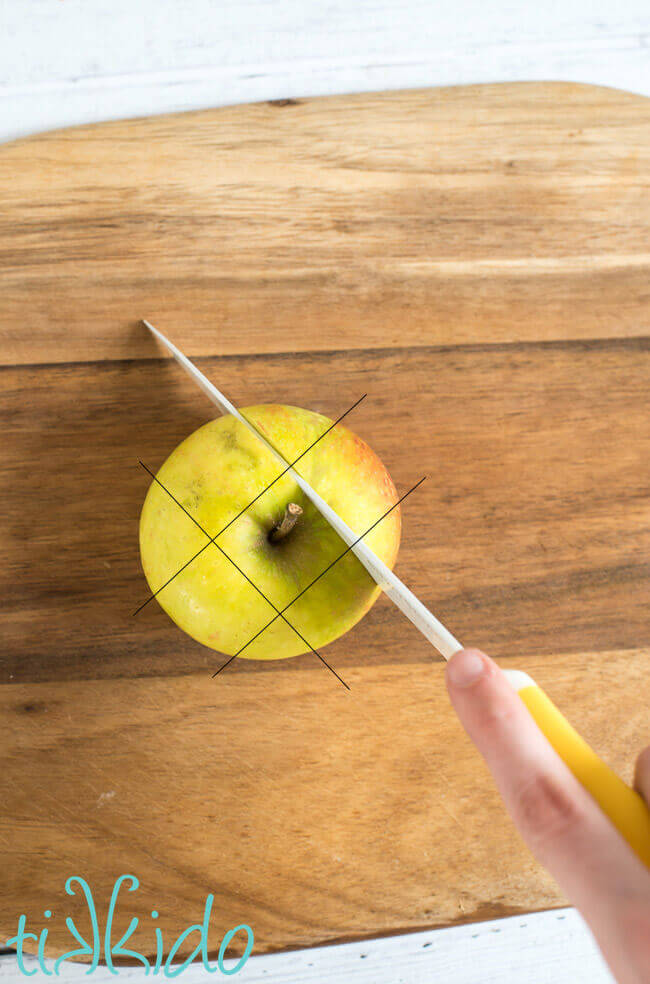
287,523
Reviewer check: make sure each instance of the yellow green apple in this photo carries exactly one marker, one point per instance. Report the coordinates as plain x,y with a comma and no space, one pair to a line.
278,545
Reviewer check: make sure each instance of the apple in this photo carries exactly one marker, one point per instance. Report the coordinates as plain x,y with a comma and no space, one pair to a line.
280,543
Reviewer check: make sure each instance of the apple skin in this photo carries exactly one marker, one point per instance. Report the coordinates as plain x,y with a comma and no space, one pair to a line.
215,473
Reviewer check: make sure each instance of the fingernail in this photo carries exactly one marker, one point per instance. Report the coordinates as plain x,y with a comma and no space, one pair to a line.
465,668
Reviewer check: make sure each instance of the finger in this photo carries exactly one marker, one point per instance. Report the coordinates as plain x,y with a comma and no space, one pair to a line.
556,816
642,774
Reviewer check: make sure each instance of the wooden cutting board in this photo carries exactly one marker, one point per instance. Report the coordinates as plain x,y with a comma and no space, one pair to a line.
476,260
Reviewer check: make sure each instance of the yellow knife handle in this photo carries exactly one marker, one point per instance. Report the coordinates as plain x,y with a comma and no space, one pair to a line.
625,808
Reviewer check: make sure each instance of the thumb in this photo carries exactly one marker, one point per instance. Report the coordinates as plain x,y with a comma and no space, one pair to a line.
561,823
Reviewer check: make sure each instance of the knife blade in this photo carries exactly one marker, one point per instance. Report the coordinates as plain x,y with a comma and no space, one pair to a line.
624,806
410,605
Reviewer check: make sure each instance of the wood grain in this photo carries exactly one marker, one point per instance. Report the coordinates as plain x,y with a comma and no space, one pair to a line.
311,813
530,534
497,317
369,221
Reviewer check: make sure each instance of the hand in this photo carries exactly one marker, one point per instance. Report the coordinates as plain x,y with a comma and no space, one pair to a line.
556,816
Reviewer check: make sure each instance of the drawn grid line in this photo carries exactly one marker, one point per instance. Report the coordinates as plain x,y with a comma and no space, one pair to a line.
212,540
242,511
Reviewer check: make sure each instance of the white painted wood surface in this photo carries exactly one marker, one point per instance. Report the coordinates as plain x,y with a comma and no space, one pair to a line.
73,61
549,948
64,62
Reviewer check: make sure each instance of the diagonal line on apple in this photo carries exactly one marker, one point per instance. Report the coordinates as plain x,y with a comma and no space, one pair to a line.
215,472
245,575
322,573
251,503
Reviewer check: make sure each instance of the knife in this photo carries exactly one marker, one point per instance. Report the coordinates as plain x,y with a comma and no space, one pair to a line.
623,805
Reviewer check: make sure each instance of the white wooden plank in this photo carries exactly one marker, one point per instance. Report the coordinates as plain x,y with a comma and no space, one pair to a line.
97,37
546,948
73,62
